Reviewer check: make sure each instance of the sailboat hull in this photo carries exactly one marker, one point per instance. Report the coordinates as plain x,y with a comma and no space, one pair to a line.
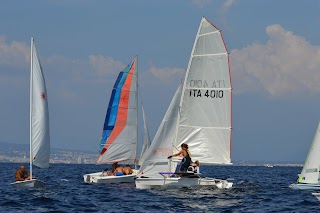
98,177
304,186
177,182
34,183
317,195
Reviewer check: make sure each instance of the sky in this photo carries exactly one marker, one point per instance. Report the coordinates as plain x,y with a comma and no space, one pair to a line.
274,51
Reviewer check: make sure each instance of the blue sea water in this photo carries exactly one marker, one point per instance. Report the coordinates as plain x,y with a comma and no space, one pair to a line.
256,189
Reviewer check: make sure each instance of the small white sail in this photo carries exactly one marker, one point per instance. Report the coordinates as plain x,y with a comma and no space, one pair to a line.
146,138
39,120
310,170
161,147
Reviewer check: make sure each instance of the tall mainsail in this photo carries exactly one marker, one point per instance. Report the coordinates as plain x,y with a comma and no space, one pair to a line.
119,137
39,114
310,170
205,116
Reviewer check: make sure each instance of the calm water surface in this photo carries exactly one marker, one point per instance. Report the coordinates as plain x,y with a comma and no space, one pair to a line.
256,189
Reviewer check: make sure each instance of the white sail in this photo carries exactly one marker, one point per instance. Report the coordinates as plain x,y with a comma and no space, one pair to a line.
119,137
205,117
161,147
146,138
39,120
310,170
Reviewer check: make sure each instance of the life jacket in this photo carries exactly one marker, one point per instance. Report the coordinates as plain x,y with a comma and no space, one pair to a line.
188,158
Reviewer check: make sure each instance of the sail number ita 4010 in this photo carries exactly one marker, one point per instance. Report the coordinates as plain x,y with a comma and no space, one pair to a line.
206,93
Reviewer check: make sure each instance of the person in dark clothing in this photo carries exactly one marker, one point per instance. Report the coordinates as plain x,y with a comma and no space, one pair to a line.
186,160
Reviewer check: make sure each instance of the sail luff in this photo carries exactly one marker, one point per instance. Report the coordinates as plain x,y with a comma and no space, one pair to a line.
230,154
31,98
136,96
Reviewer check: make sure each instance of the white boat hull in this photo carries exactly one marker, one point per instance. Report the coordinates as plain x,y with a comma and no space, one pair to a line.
98,177
34,183
317,195
304,186
172,182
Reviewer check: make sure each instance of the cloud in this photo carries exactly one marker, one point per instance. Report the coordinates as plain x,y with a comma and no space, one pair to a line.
14,54
223,10
227,4
103,66
285,64
75,76
167,74
14,61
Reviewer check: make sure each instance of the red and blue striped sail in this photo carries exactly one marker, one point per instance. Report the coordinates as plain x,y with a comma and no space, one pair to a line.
119,137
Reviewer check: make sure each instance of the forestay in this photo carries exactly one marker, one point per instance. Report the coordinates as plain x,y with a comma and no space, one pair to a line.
39,114
146,138
310,170
119,137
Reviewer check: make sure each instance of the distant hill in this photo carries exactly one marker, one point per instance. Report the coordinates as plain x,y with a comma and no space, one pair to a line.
19,153
19,150
10,147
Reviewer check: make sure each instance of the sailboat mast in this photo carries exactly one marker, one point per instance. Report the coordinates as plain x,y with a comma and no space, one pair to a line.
31,99
136,71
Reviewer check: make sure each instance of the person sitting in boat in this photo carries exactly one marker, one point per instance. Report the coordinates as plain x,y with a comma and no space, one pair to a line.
118,171
127,170
186,160
114,166
22,174
194,168
106,171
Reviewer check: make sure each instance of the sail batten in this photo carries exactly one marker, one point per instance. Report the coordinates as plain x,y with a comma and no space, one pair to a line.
204,34
204,55
201,88
212,127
